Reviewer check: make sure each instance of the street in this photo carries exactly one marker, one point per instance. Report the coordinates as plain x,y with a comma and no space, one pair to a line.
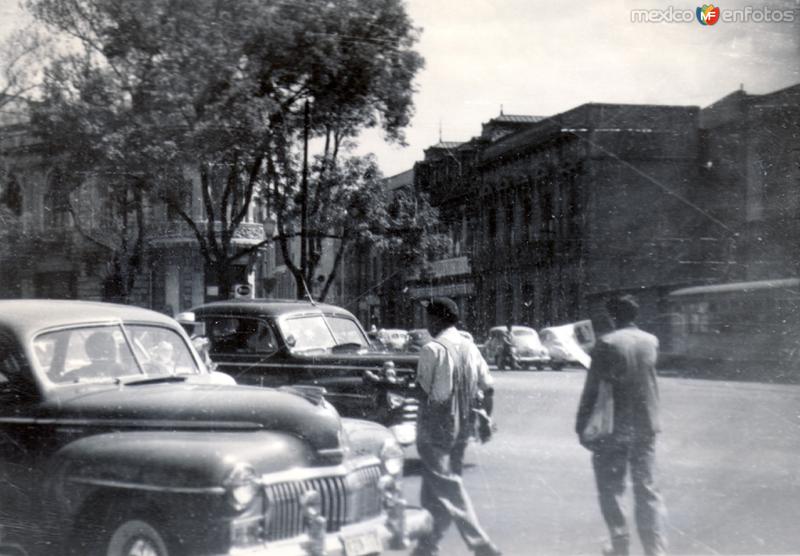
729,469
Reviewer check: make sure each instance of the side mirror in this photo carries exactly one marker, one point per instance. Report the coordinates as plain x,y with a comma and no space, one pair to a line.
291,341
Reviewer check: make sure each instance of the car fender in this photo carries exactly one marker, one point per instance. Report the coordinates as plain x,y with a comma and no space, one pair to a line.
171,464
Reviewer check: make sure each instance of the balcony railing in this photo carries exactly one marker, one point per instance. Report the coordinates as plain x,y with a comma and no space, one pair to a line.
168,233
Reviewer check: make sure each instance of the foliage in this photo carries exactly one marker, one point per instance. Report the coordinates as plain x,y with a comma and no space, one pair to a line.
349,205
163,90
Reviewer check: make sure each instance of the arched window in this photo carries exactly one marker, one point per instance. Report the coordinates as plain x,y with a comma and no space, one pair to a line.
11,196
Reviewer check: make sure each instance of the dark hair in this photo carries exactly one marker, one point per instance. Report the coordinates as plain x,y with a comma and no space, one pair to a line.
623,308
444,309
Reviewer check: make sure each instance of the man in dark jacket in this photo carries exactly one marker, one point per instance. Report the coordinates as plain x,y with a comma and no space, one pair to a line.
626,358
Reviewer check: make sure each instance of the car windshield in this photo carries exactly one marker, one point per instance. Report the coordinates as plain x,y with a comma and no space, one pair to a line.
101,353
313,332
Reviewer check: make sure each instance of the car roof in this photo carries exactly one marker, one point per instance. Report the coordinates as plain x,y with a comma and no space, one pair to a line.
266,307
513,327
28,315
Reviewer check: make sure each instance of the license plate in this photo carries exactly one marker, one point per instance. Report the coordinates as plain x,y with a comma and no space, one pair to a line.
362,544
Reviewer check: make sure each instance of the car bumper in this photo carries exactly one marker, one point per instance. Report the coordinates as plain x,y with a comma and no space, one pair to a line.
532,360
405,433
358,539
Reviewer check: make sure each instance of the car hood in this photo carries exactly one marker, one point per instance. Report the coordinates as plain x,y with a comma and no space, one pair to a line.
197,407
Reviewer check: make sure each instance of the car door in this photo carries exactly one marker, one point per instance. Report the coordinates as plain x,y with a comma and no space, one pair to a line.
20,442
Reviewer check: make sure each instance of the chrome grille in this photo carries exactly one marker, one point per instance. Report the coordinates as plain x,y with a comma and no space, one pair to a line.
345,499
410,409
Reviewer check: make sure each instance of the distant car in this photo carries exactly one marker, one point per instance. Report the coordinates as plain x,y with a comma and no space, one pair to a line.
569,344
116,440
394,339
530,351
417,338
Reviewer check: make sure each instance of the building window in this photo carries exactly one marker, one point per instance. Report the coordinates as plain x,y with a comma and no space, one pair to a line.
509,218
56,213
527,215
11,196
492,222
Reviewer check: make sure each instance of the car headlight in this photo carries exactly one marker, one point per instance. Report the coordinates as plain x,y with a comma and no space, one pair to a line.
242,486
392,457
394,400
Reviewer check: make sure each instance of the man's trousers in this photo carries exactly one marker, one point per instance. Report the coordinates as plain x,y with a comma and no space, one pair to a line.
610,469
444,495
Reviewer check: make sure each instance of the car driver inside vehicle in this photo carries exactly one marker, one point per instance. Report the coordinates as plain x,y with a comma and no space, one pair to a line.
101,349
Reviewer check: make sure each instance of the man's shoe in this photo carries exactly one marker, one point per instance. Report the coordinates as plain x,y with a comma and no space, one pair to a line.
421,550
617,547
487,549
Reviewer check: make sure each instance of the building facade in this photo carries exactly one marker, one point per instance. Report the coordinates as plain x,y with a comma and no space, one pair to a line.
48,249
550,216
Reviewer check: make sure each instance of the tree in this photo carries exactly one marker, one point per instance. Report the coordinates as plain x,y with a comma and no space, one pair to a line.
20,54
348,205
160,91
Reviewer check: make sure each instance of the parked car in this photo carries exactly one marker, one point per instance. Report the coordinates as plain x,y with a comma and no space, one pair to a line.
394,339
417,338
529,350
113,444
267,342
569,344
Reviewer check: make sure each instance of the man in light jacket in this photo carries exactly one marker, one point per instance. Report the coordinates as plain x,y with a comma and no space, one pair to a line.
626,358
451,374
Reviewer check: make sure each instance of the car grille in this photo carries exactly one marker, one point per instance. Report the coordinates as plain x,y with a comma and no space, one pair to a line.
410,410
345,499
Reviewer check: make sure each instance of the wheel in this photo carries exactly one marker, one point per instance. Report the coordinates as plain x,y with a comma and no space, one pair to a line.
557,366
135,537
539,366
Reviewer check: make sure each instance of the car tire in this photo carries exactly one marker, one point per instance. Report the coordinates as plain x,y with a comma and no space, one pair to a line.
135,537
557,366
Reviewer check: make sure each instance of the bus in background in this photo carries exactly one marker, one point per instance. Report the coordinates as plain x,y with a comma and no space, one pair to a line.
744,322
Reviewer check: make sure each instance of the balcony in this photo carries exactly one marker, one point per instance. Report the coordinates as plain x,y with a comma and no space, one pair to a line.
165,234
453,266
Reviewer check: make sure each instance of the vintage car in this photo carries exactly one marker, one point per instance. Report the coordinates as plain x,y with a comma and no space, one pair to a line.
569,344
116,441
395,339
268,342
529,350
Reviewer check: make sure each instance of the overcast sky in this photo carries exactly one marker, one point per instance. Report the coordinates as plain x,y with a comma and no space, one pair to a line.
537,57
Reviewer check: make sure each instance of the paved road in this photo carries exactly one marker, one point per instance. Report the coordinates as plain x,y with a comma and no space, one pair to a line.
729,467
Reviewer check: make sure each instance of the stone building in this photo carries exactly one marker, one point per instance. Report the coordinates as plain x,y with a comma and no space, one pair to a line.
46,251
549,216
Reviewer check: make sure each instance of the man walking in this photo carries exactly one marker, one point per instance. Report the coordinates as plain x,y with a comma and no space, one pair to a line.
626,359
451,373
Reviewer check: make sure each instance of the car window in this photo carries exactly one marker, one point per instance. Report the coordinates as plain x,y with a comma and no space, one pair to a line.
161,350
87,353
240,335
347,331
309,332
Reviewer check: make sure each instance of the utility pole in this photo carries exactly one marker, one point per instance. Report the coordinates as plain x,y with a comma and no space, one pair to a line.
304,199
